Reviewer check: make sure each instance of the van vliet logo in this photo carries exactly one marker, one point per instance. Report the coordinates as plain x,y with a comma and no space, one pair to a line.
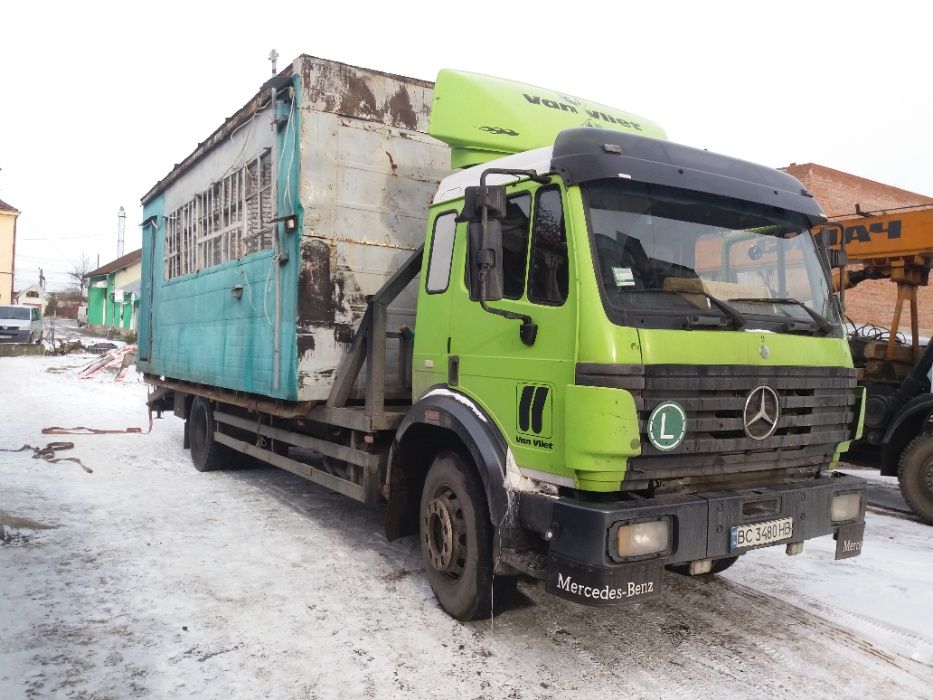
667,425
534,415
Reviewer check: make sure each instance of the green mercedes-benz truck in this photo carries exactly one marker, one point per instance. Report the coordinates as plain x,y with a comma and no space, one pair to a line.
556,344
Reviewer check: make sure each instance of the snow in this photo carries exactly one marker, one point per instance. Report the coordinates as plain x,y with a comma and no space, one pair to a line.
459,398
149,579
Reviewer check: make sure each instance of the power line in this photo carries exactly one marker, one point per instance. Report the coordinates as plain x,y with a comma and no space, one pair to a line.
65,238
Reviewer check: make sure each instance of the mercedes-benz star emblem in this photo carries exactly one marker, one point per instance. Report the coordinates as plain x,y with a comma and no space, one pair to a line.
762,411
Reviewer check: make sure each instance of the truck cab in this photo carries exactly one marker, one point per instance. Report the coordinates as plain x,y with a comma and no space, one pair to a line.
660,367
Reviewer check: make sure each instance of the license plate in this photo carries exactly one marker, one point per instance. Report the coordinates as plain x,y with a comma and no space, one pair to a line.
757,534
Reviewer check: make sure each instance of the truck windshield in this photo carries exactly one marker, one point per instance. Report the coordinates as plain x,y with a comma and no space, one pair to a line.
668,257
20,313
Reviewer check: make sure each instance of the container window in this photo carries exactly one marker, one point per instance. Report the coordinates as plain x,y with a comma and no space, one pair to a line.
442,249
547,278
230,219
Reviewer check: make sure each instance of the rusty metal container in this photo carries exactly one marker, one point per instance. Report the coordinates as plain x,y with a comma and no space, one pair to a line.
261,247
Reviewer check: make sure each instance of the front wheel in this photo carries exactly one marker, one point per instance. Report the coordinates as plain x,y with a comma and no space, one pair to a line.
915,476
456,541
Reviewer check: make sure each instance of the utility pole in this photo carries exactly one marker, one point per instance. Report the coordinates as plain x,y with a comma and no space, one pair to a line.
273,57
121,231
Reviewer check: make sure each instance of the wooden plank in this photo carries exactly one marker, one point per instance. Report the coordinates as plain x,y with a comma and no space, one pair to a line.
350,366
355,418
875,350
376,361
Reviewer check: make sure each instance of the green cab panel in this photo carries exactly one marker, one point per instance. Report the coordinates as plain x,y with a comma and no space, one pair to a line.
600,434
482,118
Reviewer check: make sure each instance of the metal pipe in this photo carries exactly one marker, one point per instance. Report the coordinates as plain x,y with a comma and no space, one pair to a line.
277,311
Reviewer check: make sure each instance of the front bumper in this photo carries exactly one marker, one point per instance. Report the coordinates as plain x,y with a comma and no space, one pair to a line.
14,336
582,565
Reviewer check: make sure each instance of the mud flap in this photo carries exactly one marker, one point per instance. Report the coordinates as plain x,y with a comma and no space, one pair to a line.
849,540
598,585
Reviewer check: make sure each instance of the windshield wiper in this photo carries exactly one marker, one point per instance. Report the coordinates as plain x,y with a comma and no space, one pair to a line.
736,319
821,321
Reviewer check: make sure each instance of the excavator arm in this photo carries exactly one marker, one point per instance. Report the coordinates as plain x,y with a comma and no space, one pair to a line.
895,245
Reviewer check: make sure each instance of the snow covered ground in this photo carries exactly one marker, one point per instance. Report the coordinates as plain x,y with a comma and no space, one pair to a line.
146,578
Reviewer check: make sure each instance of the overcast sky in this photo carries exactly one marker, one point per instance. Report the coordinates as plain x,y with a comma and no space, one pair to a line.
98,100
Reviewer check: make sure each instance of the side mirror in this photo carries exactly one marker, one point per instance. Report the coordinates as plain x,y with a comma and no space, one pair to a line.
828,237
478,196
486,252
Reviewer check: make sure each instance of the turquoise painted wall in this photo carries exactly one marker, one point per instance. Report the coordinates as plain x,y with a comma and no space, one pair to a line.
95,304
194,328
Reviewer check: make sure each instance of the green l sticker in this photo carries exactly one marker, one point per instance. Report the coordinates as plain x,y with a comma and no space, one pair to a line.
667,425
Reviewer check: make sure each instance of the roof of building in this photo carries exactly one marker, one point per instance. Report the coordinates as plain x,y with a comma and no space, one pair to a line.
126,261
839,192
31,288
8,207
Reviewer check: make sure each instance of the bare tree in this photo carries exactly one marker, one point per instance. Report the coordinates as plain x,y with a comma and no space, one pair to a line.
78,275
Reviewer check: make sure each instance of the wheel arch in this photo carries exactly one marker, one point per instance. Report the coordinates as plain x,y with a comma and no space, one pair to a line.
442,419
913,419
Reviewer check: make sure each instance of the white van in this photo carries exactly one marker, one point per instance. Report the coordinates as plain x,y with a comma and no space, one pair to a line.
82,315
20,324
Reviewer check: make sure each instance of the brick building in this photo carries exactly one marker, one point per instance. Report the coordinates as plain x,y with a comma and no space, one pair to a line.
872,301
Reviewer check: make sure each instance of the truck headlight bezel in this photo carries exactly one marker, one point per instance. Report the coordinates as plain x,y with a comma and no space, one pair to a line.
644,538
845,507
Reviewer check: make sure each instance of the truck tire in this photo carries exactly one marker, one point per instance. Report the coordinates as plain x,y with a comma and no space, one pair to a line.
915,475
456,541
206,453
719,566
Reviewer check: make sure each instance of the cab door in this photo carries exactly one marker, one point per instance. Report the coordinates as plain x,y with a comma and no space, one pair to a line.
432,329
523,386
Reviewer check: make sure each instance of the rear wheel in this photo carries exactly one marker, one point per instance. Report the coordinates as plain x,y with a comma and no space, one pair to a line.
206,453
915,476
456,541
719,566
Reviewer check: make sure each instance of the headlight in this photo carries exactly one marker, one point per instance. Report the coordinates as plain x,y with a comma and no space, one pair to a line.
845,506
642,538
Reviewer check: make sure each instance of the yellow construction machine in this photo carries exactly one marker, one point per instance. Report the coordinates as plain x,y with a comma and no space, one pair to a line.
895,370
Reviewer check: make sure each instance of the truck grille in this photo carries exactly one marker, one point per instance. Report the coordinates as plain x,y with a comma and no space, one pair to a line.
818,410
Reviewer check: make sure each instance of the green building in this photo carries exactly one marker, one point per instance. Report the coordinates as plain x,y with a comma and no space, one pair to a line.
113,293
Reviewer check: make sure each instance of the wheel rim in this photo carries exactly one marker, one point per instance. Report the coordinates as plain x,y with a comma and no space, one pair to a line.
926,476
445,534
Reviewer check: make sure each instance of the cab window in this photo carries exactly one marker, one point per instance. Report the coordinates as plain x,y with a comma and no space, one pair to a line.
548,274
515,228
442,248
515,245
